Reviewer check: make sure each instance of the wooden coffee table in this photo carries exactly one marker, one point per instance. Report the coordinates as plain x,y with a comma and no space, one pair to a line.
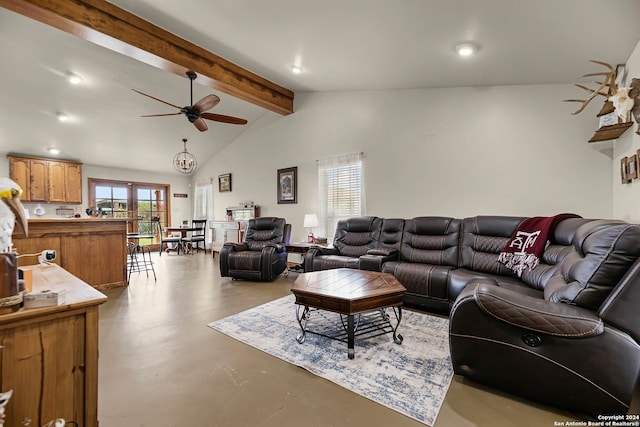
349,292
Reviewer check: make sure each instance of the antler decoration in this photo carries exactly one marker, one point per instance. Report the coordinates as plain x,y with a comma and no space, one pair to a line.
606,88
634,93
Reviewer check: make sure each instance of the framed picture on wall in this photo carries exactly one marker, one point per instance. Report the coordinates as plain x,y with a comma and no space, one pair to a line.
624,179
632,167
288,185
224,182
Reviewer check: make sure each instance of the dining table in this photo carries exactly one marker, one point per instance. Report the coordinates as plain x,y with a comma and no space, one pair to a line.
183,230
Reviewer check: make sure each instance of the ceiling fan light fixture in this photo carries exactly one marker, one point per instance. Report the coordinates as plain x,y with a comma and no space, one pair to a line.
185,162
466,48
74,79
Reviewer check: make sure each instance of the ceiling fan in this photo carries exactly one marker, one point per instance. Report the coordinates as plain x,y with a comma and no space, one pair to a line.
195,113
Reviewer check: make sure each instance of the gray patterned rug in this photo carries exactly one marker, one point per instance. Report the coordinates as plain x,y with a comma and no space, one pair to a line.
411,378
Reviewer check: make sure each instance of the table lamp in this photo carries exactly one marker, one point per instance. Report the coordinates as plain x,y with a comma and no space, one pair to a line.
311,221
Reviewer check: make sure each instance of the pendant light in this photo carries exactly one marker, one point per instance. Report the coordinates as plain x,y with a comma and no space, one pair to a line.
184,161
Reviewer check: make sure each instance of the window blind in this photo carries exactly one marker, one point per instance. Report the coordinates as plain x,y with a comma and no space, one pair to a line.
340,192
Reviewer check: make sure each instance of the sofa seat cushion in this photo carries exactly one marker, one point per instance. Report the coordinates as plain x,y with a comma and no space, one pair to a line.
423,279
461,277
327,262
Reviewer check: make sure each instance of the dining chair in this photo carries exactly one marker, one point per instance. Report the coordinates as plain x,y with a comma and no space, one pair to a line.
167,239
197,236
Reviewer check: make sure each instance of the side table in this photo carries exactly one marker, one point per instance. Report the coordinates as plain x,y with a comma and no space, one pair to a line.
298,248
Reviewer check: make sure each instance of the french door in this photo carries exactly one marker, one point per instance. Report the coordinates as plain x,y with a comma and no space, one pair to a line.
138,201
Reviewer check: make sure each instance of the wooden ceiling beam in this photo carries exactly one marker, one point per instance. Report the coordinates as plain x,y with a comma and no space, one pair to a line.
109,26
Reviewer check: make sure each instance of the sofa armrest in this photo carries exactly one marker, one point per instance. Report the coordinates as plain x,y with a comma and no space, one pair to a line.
386,252
373,262
323,250
315,251
534,314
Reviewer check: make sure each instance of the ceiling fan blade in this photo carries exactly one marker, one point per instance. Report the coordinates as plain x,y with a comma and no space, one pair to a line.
160,115
206,103
224,119
159,100
201,125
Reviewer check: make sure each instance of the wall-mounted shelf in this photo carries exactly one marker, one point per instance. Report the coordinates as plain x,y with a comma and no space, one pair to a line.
606,133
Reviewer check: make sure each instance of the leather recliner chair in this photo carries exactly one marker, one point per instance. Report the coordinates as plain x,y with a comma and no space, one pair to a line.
262,256
354,237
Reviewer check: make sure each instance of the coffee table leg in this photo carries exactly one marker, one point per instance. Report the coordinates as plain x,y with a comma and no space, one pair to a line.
302,321
397,338
350,337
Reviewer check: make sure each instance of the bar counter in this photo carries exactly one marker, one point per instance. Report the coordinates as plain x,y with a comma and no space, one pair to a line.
92,249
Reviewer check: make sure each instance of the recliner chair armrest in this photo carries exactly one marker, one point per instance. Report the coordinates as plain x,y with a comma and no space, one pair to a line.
234,247
278,247
534,314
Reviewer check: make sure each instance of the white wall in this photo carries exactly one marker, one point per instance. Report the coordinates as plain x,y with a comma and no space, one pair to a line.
627,196
509,150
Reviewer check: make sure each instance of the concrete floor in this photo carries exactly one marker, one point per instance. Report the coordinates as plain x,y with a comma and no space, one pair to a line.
160,365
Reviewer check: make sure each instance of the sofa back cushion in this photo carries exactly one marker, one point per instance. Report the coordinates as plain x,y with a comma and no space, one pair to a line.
602,252
263,231
391,233
560,245
355,236
431,240
483,238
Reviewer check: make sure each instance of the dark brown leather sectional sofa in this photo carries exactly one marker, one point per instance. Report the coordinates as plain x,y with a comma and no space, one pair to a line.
566,333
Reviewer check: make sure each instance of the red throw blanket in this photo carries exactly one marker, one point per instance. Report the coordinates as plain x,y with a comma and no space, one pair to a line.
525,247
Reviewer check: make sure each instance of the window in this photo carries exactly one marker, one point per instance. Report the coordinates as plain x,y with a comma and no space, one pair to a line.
341,190
203,203
136,200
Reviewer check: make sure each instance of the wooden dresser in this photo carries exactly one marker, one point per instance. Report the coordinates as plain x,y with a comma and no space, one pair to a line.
94,249
50,354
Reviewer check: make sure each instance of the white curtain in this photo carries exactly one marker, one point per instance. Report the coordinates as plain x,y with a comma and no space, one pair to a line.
203,204
340,191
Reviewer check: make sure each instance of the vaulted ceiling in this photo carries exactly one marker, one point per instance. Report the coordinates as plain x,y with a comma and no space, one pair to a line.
339,46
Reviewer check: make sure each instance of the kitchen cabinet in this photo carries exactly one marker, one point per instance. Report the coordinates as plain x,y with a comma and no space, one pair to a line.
38,179
19,171
73,180
46,180
50,354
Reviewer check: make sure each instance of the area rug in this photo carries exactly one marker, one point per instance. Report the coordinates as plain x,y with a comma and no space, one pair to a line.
411,378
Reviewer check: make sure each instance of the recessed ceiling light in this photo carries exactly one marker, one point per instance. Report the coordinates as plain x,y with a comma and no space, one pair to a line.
53,150
74,79
62,117
466,49
296,69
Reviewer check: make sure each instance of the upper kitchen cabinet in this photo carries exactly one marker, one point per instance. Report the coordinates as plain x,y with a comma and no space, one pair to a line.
46,180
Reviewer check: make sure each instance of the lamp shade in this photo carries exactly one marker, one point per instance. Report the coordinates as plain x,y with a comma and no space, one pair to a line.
311,220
